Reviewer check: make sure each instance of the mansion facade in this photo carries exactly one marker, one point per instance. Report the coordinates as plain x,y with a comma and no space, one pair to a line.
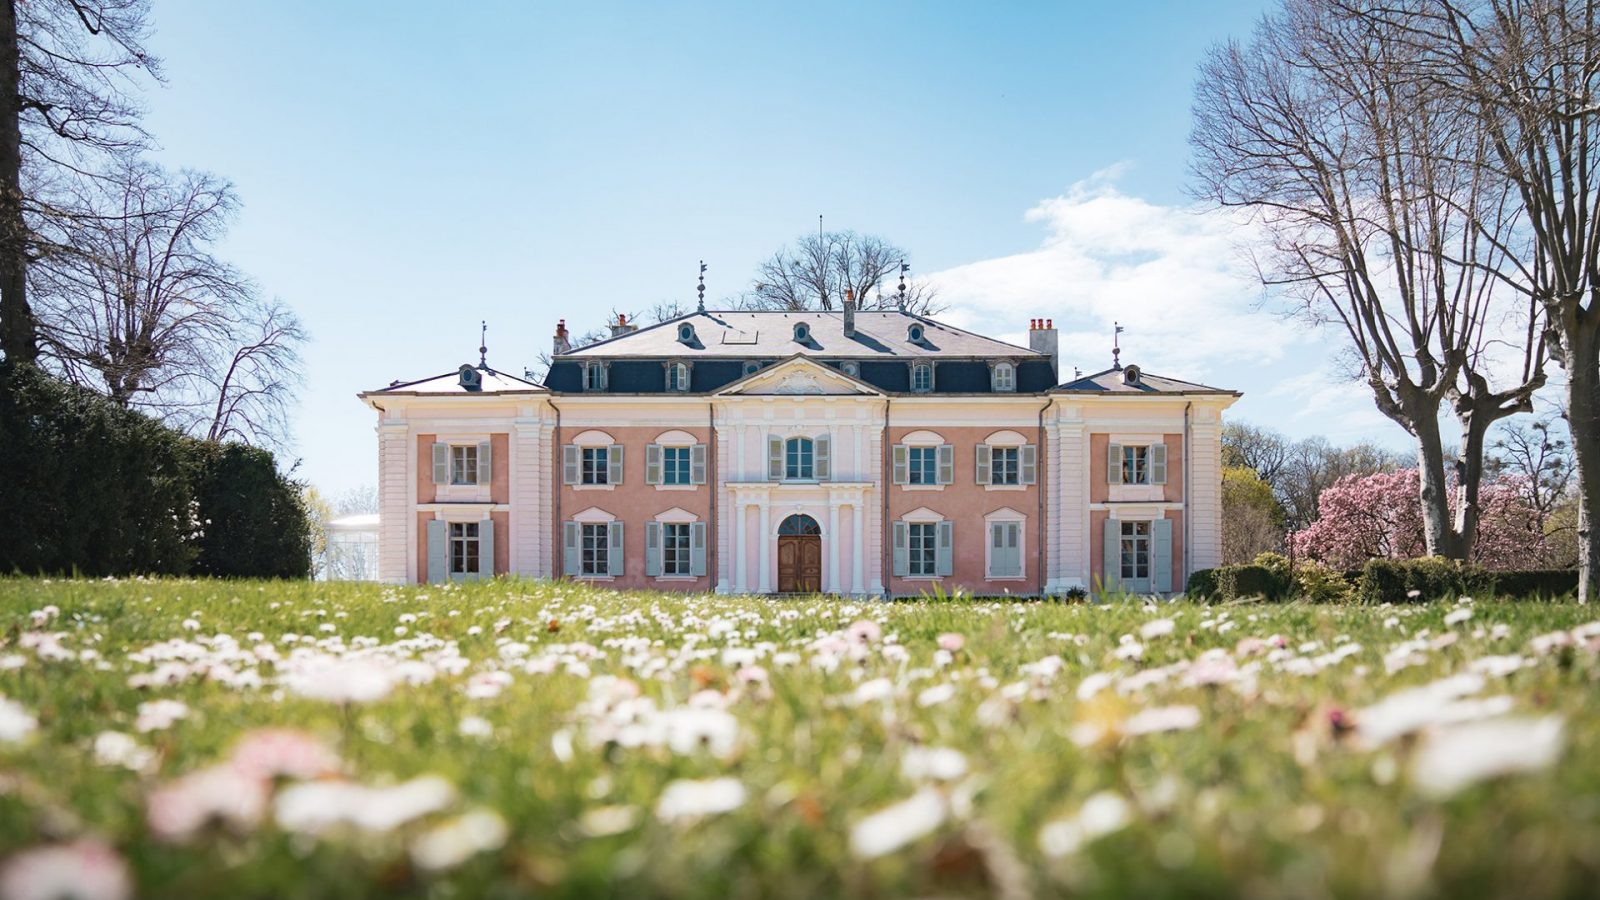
861,453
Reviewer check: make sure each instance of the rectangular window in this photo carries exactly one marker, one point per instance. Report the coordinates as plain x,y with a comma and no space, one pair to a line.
675,465
799,461
1135,550
922,555
923,465
921,378
1005,549
596,465
677,377
1005,377
464,464
675,559
464,548
594,377
596,549
1135,465
1004,467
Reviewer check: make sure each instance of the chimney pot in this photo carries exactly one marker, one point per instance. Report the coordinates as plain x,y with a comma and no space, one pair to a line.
1042,339
1049,323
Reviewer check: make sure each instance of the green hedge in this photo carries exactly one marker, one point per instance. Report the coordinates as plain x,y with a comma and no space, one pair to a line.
1380,581
1238,582
1536,583
94,489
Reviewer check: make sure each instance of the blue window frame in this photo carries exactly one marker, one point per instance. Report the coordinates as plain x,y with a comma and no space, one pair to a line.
799,455
675,465
922,465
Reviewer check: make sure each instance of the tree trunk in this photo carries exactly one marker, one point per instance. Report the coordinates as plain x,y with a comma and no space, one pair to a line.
1469,481
1581,359
17,337
1439,538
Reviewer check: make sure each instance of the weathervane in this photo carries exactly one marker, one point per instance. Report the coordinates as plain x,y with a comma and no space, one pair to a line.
1116,348
483,345
901,303
702,287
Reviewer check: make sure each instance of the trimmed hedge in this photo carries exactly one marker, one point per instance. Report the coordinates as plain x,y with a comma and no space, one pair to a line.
1536,583
93,489
1238,582
1420,580
1380,581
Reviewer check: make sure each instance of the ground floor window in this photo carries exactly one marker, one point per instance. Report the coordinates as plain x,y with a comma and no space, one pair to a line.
1005,549
596,549
1135,550
465,545
922,554
676,558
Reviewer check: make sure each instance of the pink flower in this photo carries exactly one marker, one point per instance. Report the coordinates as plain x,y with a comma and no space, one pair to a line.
271,752
85,869
952,642
221,794
864,631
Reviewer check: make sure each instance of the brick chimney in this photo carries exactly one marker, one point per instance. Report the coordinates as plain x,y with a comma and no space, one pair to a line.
1042,338
562,344
849,313
622,326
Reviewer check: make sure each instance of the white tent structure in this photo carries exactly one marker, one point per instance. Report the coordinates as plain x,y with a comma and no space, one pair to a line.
352,551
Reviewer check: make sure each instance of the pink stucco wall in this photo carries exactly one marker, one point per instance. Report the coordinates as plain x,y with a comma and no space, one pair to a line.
965,503
634,503
425,489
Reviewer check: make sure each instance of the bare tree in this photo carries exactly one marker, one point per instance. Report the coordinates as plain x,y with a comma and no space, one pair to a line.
818,269
1262,449
1539,457
66,67
134,301
1381,221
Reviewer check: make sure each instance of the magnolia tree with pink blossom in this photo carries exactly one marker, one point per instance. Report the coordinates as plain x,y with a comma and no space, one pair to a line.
1364,517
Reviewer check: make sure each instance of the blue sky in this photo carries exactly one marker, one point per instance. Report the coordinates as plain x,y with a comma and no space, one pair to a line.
408,169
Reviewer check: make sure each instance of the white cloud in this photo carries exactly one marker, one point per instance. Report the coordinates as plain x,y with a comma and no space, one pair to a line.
1172,275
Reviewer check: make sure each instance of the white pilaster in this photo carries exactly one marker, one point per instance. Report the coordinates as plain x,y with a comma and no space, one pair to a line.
833,547
741,580
764,547
396,480
858,551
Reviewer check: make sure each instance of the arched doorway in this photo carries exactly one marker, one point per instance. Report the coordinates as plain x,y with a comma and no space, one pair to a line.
799,555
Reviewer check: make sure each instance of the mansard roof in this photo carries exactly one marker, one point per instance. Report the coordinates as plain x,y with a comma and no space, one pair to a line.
727,334
1115,381
490,382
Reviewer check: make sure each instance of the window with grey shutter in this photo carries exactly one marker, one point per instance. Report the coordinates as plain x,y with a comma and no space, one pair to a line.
1111,558
486,549
1158,463
823,463
614,476
774,458
947,464
438,560
571,472
1030,464
946,551
652,464
697,549
615,535
652,549
1113,463
1161,556
901,548
984,457
571,549
485,468
901,463
441,462
697,464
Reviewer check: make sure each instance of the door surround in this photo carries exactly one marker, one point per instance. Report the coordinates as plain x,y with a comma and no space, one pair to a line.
799,555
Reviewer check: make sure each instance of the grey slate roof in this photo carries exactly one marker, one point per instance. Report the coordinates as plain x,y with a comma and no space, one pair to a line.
740,335
493,382
1111,381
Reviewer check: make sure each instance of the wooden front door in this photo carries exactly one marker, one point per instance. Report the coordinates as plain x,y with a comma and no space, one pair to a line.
799,564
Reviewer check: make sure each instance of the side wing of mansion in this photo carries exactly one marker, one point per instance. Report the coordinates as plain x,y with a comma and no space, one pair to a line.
851,452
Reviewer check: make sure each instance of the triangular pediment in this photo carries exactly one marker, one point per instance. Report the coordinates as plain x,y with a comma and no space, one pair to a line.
799,376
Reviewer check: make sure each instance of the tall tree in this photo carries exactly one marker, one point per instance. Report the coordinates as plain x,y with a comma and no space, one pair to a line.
817,271
1381,221
65,70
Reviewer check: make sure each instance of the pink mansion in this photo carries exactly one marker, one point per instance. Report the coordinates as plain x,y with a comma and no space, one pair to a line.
849,452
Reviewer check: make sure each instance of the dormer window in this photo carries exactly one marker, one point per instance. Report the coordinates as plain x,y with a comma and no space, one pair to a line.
921,377
853,369
802,333
470,379
915,334
751,367
1003,377
1130,375
677,376
686,333
594,376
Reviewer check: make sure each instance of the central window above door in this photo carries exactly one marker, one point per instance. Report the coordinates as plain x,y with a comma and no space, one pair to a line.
799,458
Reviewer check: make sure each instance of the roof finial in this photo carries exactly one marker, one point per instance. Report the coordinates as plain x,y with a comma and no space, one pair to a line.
901,303
1116,348
483,346
702,287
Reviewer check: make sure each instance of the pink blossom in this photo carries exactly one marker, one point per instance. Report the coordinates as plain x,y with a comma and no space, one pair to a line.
85,869
864,631
952,642
271,752
221,795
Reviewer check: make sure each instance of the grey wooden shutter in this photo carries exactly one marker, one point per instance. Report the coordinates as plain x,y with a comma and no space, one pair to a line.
774,458
1158,463
984,461
902,464
947,464
438,552
614,464
1112,556
485,465
697,549
1161,556
652,464
571,548
571,468
486,548
822,458
603,374
441,462
614,562
901,551
944,553
1113,463
652,548
697,464
1028,463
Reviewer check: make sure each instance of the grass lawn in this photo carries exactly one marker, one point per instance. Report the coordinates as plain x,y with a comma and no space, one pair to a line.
200,739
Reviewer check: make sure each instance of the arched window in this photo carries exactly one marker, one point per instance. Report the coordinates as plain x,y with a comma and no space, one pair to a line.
799,459
799,524
921,377
1004,377
677,376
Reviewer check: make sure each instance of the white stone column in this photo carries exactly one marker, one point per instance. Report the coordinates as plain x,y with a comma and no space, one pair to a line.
858,552
833,546
394,506
527,516
741,583
764,547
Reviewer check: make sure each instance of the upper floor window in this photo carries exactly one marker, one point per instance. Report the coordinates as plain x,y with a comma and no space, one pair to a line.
1005,465
1137,463
799,459
1004,377
915,334
464,464
686,333
922,465
594,376
921,377
802,332
596,465
675,465
677,376
1135,466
